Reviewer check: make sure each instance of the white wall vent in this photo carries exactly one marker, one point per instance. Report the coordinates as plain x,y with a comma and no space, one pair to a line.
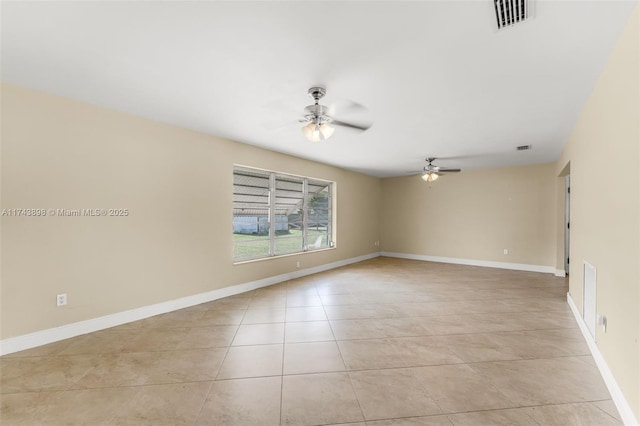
510,12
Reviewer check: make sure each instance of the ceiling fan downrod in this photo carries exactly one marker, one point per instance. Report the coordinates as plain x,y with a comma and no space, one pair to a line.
317,93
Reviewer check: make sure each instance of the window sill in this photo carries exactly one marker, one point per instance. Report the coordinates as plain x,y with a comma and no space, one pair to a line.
242,262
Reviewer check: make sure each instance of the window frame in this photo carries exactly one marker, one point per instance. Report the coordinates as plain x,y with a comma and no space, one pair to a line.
272,218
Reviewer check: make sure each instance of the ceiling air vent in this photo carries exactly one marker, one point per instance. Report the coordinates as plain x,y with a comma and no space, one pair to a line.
523,147
510,12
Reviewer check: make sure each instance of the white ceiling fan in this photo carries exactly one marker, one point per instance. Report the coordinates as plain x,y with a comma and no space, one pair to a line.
319,120
432,172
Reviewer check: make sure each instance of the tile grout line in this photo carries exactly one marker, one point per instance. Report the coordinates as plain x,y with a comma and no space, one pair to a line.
284,339
228,348
204,401
353,389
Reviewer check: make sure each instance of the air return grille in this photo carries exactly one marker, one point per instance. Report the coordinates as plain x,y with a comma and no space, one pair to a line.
510,12
523,147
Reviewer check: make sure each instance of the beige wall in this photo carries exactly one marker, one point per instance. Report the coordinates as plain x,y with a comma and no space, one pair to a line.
473,215
60,153
603,154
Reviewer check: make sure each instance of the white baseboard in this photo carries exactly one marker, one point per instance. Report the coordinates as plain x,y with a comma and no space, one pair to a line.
560,273
43,337
628,418
473,262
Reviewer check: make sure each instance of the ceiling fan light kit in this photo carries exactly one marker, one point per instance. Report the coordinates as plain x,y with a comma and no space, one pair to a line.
316,132
429,176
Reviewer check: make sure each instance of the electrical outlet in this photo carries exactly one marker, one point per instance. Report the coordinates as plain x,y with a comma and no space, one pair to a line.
61,299
376,243
602,321
506,251
297,264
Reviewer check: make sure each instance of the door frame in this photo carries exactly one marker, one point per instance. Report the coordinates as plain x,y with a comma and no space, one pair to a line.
567,222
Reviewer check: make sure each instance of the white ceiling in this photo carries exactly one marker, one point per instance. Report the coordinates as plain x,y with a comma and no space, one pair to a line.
437,76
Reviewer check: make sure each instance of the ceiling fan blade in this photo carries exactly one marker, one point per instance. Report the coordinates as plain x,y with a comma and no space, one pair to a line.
345,107
444,170
361,127
277,125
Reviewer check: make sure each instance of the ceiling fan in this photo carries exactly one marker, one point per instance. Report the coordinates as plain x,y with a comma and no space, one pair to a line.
319,120
431,172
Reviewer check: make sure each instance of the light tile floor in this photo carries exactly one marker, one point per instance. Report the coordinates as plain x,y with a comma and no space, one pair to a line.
381,342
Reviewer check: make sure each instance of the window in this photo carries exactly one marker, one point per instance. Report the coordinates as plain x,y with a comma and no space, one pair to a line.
276,214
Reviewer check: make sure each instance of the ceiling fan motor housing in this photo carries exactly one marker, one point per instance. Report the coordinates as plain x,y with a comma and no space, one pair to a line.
317,113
